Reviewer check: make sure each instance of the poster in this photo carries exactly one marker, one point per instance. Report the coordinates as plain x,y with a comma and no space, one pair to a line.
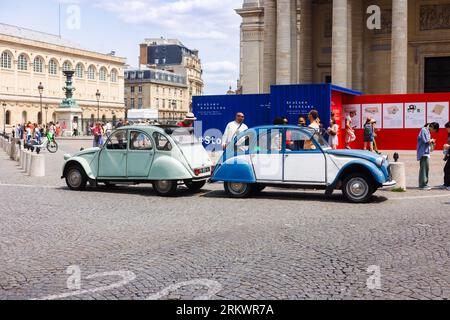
356,120
415,116
393,115
372,111
438,112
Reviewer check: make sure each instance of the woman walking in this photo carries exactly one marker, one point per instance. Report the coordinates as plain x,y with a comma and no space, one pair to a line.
333,130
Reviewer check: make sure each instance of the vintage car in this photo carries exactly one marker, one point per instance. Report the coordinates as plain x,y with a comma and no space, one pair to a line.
287,156
162,156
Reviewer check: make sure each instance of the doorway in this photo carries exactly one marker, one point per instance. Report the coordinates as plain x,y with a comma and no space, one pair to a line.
437,74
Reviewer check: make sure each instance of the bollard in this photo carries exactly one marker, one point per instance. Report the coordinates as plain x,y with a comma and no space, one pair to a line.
37,166
27,162
12,152
399,174
22,156
8,148
17,153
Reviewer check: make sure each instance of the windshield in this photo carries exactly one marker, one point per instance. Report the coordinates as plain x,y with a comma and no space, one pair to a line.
182,136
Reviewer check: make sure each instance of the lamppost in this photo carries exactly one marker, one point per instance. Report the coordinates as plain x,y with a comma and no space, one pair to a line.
4,118
46,113
41,91
174,105
98,95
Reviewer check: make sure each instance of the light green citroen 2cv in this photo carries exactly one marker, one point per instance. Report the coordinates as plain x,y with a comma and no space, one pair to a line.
163,156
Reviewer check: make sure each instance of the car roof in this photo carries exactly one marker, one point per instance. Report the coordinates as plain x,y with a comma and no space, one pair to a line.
147,128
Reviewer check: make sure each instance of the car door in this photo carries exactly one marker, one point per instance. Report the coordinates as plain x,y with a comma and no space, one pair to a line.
141,153
267,160
304,161
113,156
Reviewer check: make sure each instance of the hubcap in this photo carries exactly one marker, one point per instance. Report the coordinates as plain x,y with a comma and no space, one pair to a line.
357,188
164,185
74,178
237,188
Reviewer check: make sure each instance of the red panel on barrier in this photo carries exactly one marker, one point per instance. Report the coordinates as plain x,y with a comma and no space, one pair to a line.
401,116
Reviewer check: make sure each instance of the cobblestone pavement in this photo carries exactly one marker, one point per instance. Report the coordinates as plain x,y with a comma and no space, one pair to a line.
131,244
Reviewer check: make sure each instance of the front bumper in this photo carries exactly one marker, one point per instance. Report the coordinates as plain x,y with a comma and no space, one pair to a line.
389,184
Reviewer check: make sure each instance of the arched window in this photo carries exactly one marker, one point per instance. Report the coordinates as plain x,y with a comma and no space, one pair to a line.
91,73
38,65
6,60
79,71
8,117
113,75
67,66
102,74
53,67
22,62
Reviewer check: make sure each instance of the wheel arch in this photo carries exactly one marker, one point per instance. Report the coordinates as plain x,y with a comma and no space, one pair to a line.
368,169
79,162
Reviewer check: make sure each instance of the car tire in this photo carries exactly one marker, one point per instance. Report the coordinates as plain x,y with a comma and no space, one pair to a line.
195,186
357,188
76,178
238,190
165,188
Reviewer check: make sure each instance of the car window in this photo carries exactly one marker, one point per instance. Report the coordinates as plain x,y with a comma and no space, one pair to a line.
117,141
297,140
162,142
140,141
270,141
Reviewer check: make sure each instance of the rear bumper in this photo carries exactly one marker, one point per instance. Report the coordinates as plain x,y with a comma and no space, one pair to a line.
389,184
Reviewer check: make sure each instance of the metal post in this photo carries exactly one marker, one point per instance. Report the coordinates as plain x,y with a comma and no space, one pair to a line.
98,95
4,118
41,91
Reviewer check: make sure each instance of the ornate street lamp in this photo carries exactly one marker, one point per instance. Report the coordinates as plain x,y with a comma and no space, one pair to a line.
4,118
98,95
41,91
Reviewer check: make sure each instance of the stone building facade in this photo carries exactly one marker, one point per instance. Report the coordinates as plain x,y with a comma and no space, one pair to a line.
171,55
159,90
316,41
28,58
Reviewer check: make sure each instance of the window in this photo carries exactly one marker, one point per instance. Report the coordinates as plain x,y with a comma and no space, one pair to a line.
296,140
270,141
140,89
132,89
102,74
38,65
118,141
6,60
162,143
140,141
91,73
132,103
22,63
140,103
114,75
52,67
67,66
79,71
8,117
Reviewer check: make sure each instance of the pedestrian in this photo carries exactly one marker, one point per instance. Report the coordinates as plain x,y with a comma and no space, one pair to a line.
75,129
188,121
447,159
333,131
233,129
302,122
375,135
109,128
119,124
368,134
314,124
425,144
350,135
97,133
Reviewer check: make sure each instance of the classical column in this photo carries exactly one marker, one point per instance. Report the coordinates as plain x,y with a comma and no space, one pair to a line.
339,59
399,50
284,40
270,44
357,45
294,42
305,42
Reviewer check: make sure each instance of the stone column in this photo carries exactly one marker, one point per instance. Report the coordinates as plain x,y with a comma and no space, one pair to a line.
284,37
339,59
399,51
305,46
357,45
270,44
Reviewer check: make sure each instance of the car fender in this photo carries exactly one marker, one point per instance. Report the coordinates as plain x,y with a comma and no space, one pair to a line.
83,163
237,169
168,168
375,171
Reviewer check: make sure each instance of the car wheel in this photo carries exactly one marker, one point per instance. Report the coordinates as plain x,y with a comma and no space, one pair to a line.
238,190
357,188
165,188
195,186
76,178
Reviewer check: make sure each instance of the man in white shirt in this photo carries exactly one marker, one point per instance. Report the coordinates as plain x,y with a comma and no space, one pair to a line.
233,129
108,129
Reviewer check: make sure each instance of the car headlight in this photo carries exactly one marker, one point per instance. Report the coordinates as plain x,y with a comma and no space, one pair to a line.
380,162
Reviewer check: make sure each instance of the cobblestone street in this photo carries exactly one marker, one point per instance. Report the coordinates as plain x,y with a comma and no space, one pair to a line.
130,244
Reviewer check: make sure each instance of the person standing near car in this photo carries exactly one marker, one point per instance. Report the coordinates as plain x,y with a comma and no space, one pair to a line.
188,121
447,159
97,132
350,135
233,129
369,132
424,146
314,123
333,131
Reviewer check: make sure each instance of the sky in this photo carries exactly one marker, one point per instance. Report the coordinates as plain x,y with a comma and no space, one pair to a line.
211,26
